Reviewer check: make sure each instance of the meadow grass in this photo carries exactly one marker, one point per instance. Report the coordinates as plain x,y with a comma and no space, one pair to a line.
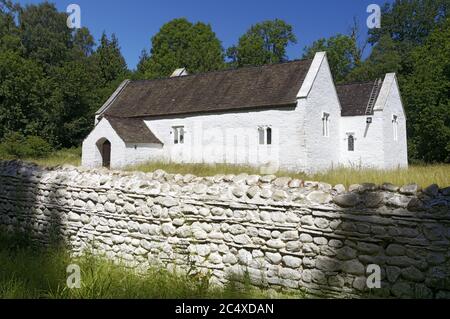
28,271
68,156
424,175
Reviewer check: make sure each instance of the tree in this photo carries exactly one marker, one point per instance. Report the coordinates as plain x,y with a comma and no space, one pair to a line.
340,50
263,43
406,24
385,58
76,95
109,60
143,60
23,95
44,34
180,43
9,33
426,91
83,42
51,80
409,22
7,24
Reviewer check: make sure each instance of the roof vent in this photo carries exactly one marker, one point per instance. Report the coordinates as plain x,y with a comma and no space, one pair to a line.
179,72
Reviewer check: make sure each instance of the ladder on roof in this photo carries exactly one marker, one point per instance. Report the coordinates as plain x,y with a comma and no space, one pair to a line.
373,96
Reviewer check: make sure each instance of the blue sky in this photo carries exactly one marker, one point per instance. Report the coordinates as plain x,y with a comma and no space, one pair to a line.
135,21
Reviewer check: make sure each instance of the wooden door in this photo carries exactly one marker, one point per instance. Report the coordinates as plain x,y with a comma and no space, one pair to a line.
106,154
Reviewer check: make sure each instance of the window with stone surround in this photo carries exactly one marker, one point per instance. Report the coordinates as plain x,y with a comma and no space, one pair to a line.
351,142
178,134
395,126
265,135
325,124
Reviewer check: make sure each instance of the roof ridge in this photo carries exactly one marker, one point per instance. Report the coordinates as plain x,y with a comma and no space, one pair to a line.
222,71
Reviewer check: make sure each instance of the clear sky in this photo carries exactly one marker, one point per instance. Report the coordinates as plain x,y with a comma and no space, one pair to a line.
136,21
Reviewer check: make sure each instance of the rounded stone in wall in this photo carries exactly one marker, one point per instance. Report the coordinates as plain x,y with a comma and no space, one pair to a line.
346,200
319,197
292,262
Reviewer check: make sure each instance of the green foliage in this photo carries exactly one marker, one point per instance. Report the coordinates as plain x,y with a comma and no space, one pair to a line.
83,43
52,79
23,95
409,22
15,145
75,99
44,34
263,43
406,24
426,92
180,43
340,50
9,32
385,58
110,62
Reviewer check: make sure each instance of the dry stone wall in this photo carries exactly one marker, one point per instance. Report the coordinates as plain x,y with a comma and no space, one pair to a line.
280,232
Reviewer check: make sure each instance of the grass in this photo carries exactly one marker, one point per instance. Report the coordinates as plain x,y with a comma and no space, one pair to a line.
31,272
424,175
69,156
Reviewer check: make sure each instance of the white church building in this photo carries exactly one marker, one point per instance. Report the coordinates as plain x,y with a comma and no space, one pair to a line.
288,116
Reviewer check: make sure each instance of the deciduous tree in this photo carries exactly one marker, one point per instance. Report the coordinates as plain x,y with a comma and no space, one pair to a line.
263,43
180,43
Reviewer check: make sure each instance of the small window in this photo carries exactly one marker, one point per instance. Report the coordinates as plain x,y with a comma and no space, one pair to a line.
269,136
395,127
261,135
178,135
351,143
265,135
325,124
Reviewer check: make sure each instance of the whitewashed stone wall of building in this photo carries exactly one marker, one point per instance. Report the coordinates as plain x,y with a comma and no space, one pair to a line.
368,143
375,146
322,152
232,138
281,232
395,152
122,154
91,153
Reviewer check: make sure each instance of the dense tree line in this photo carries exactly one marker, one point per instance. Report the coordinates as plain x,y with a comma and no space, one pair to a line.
52,79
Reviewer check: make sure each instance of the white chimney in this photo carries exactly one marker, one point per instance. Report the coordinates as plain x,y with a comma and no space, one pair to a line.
179,72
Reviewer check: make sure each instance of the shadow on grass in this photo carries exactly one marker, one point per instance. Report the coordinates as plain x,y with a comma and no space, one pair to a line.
31,271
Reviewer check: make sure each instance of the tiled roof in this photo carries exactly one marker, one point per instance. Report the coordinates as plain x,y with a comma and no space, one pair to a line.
133,130
266,86
354,97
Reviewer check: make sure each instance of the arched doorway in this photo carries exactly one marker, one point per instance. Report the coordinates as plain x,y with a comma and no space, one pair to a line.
105,149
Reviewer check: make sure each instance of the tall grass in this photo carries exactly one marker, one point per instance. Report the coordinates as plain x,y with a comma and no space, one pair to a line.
30,272
68,156
423,175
